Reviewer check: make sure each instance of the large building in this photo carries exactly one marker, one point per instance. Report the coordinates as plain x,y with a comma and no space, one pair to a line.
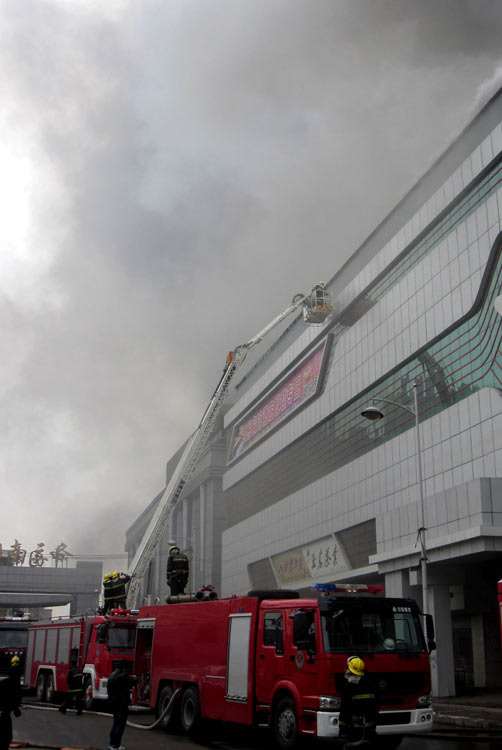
298,488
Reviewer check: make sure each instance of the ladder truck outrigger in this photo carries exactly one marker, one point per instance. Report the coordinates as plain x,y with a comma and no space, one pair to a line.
316,310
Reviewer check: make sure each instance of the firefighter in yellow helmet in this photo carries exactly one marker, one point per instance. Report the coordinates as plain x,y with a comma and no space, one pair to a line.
108,595
119,583
177,570
359,704
10,702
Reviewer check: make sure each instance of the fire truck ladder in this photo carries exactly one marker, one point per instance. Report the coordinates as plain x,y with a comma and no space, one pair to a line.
316,309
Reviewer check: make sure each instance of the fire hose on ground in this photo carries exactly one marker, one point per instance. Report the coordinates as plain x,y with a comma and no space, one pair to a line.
129,723
157,722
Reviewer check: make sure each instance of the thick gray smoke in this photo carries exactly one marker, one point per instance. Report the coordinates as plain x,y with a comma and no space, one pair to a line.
172,173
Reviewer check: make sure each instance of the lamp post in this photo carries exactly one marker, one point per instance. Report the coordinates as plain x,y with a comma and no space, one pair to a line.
373,414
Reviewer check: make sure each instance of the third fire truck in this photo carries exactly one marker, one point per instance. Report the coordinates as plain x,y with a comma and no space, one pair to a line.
273,660
13,640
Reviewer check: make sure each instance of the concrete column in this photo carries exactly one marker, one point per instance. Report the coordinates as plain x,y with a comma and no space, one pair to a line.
442,664
478,651
184,543
202,516
397,583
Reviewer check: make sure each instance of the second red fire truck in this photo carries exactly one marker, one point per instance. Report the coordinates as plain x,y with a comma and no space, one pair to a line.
95,642
273,660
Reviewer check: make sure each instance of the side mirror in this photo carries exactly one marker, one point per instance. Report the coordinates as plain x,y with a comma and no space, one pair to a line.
101,635
429,629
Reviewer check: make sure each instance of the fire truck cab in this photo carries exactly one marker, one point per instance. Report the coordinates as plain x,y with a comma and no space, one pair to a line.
13,640
279,662
96,643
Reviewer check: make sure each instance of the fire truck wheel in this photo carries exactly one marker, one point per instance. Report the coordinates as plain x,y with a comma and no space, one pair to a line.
40,688
285,724
170,722
88,694
190,710
49,689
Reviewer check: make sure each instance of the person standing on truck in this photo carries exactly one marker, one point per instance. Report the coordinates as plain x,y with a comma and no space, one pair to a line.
75,690
178,569
119,582
359,704
10,701
108,595
120,684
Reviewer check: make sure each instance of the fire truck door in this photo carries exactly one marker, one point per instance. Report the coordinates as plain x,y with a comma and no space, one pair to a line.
238,695
271,663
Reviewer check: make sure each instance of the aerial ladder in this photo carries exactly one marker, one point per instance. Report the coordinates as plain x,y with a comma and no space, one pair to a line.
316,309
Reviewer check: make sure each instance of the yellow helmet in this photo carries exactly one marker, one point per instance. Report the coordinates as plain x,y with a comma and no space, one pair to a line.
356,666
14,661
107,576
116,574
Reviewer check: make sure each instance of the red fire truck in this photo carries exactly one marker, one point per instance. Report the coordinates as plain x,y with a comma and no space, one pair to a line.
274,660
13,640
97,643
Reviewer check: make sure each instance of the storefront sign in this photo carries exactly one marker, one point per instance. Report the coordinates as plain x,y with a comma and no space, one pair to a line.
322,560
295,390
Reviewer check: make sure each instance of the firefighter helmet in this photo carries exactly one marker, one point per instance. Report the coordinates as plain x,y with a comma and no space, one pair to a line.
174,548
356,666
116,574
107,576
14,661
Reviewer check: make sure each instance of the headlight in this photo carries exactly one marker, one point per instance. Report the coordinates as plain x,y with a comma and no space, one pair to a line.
329,702
425,700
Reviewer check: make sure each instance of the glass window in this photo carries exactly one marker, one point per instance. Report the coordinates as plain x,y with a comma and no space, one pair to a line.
13,638
63,645
50,648
121,637
40,644
273,630
377,626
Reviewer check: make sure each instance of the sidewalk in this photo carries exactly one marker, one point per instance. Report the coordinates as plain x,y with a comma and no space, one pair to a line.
477,710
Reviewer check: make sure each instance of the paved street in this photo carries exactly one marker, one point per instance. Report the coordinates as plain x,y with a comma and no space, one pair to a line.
48,728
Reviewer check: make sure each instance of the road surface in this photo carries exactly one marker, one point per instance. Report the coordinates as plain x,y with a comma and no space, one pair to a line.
46,727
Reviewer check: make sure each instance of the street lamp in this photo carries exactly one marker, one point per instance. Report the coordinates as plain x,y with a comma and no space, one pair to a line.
374,414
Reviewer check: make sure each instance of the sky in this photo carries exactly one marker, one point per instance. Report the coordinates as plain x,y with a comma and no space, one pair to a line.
171,174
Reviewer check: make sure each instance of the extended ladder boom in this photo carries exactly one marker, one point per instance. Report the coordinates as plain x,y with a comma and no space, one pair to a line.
316,308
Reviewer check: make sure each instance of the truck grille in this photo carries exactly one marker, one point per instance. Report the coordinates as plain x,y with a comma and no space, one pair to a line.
392,685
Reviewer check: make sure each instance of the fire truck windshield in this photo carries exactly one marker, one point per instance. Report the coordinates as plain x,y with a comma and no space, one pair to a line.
121,638
371,626
13,638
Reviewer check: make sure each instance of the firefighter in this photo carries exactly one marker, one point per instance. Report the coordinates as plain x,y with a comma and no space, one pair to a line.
108,595
177,570
75,690
119,582
15,673
10,701
359,704
119,686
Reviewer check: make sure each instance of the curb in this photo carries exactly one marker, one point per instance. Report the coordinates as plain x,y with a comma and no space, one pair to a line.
461,715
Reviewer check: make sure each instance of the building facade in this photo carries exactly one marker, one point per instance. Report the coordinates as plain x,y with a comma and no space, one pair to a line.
308,491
